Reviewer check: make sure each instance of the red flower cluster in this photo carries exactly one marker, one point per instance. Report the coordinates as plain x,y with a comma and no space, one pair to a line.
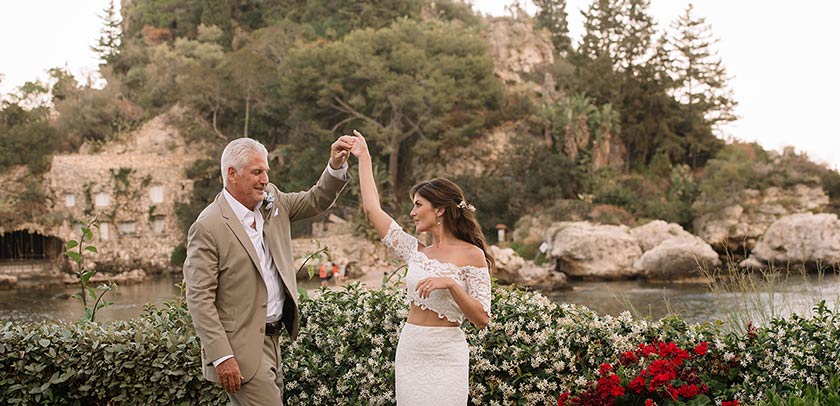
658,372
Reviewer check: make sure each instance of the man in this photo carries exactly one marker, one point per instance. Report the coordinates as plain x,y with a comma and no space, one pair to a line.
241,287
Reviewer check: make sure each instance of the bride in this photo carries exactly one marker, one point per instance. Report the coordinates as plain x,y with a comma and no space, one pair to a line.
447,282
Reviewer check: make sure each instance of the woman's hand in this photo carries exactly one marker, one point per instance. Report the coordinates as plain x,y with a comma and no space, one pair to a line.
360,147
426,286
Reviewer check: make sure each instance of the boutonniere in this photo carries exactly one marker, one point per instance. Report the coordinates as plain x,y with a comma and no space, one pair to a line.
268,200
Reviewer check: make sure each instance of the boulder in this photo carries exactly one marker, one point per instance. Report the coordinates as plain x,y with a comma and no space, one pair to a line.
513,269
587,251
738,223
800,239
677,258
654,233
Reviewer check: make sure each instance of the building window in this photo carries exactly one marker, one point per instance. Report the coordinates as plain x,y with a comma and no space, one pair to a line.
70,200
159,224
77,231
126,228
103,199
104,231
156,194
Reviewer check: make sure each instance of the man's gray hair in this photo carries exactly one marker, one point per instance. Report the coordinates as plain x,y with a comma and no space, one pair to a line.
237,153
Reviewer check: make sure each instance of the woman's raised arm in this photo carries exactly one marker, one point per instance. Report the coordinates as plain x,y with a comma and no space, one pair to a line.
370,195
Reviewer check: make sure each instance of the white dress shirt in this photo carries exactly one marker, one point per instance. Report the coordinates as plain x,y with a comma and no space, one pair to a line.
268,269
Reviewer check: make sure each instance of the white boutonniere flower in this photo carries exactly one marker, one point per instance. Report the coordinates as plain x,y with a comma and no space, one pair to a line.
268,200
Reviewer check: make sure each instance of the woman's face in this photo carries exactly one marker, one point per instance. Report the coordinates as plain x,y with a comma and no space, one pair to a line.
423,214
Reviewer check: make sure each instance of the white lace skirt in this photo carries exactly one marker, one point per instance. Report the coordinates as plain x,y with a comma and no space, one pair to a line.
432,366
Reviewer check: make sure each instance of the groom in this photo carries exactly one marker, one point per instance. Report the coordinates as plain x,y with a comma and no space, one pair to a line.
239,272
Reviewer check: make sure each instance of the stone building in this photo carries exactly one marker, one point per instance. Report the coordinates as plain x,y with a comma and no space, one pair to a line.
131,188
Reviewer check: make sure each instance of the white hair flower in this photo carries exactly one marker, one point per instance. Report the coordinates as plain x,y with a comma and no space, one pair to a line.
464,205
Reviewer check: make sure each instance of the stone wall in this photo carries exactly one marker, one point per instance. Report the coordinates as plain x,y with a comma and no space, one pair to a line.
132,188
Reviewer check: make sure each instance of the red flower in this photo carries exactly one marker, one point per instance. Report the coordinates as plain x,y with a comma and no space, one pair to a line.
730,403
561,401
627,358
701,348
650,402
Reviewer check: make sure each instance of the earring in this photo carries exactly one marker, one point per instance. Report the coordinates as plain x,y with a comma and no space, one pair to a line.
438,221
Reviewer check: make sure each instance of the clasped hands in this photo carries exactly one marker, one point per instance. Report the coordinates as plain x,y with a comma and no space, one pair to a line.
344,146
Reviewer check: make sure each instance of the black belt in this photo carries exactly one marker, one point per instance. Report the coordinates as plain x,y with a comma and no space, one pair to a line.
273,329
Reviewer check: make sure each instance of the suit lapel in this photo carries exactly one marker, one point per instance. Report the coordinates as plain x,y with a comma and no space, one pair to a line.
236,227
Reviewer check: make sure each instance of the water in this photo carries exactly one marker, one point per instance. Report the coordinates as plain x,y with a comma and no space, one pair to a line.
694,302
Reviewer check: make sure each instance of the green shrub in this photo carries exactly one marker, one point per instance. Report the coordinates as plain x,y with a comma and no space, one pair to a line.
533,350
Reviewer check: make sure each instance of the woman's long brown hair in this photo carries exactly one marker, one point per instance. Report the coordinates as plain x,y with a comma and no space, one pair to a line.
460,221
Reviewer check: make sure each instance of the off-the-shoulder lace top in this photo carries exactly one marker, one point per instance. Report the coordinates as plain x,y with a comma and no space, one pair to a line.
474,280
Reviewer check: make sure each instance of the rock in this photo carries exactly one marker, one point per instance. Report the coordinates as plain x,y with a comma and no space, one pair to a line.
587,251
654,233
800,239
508,264
517,48
513,269
542,278
735,226
677,258
8,282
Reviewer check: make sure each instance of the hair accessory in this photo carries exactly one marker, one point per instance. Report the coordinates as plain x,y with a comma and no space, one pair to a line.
465,206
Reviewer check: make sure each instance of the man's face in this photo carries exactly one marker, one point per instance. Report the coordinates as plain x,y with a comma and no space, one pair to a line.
247,187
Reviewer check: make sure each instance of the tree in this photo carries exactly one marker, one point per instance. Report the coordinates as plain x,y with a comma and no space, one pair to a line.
217,13
428,83
552,16
699,75
108,45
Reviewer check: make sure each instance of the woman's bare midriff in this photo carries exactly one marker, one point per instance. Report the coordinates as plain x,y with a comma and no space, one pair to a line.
428,318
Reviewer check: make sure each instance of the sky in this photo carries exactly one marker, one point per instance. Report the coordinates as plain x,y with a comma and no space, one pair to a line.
781,57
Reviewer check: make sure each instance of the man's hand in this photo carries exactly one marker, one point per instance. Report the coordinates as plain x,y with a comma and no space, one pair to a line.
340,151
229,375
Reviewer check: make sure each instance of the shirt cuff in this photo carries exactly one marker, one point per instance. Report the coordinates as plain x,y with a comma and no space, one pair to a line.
220,360
340,173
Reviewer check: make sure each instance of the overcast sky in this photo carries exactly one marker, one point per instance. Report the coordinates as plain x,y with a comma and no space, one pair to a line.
782,56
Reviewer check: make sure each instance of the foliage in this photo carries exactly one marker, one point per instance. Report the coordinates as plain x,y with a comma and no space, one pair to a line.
91,301
532,351
699,76
428,84
552,16
811,396
108,45
154,359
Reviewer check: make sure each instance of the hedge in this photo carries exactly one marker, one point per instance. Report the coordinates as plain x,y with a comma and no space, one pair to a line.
532,351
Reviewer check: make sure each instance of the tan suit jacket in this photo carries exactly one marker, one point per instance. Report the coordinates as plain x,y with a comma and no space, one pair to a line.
226,294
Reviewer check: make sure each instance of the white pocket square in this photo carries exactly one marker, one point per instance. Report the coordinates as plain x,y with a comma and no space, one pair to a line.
276,212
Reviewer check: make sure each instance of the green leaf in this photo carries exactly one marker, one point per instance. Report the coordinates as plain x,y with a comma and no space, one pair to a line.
44,342
90,248
74,256
72,244
88,233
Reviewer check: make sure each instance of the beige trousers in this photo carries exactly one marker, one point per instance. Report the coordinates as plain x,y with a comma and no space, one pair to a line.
267,386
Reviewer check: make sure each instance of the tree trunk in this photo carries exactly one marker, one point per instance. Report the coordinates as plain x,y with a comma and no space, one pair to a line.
393,161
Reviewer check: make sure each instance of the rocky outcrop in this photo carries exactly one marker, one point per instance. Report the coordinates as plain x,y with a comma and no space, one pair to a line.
516,48
737,226
657,250
677,258
513,269
587,251
799,239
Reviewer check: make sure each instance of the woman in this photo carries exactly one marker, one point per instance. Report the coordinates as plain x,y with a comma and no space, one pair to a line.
447,282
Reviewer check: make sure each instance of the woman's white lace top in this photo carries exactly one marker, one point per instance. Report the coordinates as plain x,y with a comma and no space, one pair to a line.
474,280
